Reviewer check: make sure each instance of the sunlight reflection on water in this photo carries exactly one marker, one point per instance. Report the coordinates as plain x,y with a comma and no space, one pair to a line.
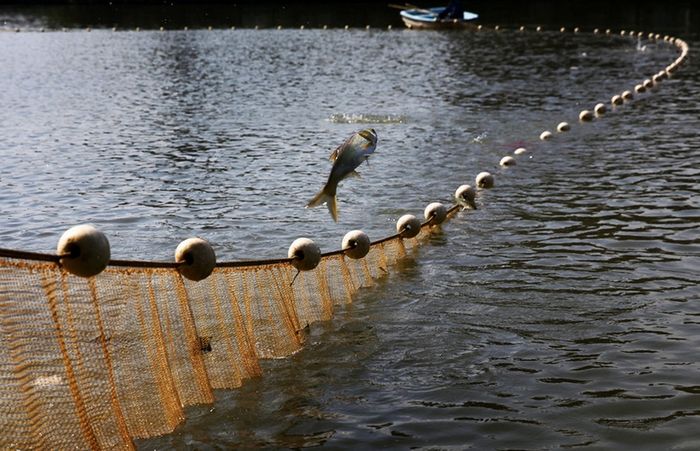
558,314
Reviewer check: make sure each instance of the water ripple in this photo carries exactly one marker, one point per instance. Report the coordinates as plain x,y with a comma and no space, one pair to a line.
562,313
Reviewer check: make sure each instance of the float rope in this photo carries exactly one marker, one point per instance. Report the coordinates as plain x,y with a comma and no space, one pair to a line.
94,362
584,116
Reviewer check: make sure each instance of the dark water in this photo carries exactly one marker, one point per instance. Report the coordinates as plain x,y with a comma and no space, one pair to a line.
563,313
682,16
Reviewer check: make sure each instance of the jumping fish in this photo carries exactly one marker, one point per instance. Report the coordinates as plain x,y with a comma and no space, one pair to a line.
346,158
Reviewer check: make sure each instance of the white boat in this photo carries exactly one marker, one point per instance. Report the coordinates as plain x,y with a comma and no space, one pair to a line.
429,19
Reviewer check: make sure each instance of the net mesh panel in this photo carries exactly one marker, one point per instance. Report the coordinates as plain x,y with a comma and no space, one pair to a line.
95,363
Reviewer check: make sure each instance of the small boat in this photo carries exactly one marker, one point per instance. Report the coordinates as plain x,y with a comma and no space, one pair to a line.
419,18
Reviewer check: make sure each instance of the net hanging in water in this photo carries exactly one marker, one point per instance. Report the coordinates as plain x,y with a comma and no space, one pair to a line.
96,362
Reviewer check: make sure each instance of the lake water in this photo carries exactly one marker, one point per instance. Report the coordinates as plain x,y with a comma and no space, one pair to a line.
563,313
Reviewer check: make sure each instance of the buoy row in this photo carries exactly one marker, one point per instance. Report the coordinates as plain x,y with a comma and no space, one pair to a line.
85,251
302,27
208,28
601,109
486,180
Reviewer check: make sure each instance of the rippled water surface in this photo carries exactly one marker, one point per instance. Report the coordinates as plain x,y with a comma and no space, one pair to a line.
563,313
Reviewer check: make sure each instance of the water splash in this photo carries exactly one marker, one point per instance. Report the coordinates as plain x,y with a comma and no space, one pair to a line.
481,137
345,118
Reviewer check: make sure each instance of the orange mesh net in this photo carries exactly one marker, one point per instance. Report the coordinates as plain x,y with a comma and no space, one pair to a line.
94,363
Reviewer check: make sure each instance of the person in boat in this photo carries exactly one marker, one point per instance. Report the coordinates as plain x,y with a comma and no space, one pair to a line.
454,10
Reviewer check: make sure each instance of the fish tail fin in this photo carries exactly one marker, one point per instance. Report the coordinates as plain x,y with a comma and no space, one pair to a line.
332,205
325,197
320,198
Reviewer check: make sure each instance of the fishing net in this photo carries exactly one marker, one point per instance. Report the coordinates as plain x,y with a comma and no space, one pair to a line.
94,362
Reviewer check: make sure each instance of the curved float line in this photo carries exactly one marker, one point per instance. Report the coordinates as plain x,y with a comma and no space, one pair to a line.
585,116
201,342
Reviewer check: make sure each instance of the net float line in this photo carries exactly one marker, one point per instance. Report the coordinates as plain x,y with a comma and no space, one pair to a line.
96,352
